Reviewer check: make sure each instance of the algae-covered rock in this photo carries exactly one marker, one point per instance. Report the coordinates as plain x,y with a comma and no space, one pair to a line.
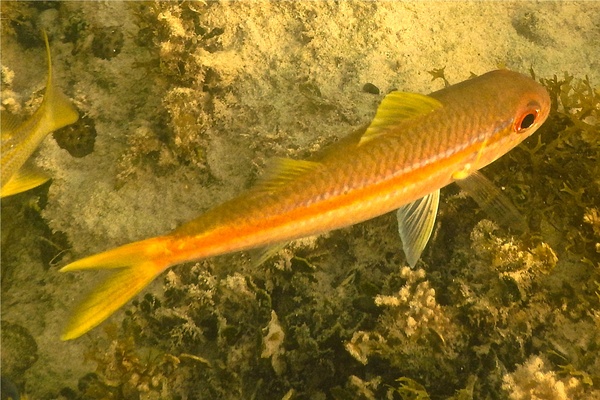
19,351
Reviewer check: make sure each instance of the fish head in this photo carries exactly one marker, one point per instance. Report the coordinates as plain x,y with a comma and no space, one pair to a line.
527,104
508,108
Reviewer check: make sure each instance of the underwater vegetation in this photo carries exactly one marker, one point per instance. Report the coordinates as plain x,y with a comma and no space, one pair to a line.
488,315
19,353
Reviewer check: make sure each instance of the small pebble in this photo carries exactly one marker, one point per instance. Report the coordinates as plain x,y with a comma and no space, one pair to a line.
370,88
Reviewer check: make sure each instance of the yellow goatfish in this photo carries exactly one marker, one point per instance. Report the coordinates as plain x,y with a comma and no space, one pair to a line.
19,141
414,146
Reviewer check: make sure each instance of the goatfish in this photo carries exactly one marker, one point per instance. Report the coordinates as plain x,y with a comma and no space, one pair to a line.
415,145
19,140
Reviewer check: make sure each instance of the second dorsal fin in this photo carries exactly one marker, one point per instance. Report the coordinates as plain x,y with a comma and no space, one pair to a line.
284,170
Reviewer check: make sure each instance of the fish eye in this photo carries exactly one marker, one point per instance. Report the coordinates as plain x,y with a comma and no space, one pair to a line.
526,120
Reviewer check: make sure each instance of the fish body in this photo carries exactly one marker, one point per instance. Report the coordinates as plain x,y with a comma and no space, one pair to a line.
414,146
19,141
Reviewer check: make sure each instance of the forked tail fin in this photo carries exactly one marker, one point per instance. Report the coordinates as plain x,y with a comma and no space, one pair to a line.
57,108
137,265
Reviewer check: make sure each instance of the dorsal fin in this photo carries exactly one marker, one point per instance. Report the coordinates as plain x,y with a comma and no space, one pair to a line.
396,107
343,145
284,170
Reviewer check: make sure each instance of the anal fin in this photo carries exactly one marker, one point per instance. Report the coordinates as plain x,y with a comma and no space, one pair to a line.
260,256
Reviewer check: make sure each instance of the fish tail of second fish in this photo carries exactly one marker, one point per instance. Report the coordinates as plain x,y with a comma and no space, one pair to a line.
57,107
55,112
135,265
58,111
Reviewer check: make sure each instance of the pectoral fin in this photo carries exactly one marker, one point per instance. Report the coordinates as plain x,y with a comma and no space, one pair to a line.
24,179
492,201
260,256
415,224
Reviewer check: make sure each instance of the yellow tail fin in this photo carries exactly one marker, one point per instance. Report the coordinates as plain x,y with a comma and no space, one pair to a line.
137,263
56,107
26,178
